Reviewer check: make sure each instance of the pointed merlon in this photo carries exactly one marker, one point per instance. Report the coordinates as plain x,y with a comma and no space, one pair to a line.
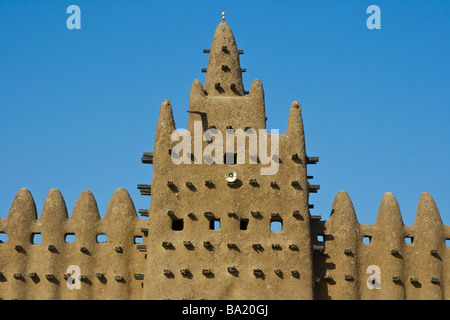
120,219
389,215
388,230
294,134
164,129
295,121
120,207
23,208
429,242
343,217
85,210
21,217
54,209
257,91
84,220
427,213
428,223
256,94
197,90
166,122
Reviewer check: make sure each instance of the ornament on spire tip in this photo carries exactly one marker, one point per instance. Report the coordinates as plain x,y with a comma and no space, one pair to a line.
223,15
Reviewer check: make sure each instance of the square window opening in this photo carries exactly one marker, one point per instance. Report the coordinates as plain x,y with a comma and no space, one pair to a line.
69,237
447,241
138,239
320,238
276,226
214,224
3,237
409,240
102,238
367,239
36,238
177,224
243,224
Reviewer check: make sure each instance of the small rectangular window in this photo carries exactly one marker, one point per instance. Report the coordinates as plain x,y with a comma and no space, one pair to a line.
276,226
447,242
214,224
367,239
320,238
36,238
3,237
138,239
243,224
102,238
177,224
69,237
409,240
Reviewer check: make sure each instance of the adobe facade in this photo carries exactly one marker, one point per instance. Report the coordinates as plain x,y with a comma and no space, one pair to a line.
207,237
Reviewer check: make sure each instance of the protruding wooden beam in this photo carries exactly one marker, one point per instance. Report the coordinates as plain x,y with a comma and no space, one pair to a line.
146,189
312,160
143,212
147,157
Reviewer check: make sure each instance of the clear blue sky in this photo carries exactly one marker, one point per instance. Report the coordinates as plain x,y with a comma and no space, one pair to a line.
78,107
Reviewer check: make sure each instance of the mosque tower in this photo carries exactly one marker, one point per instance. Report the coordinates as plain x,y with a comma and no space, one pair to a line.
210,237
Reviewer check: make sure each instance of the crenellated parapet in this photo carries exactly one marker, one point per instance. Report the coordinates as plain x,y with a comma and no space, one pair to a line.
386,260
351,261
39,255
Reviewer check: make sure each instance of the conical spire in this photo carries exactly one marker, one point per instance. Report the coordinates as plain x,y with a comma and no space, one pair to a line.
294,128
166,122
224,73
164,129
